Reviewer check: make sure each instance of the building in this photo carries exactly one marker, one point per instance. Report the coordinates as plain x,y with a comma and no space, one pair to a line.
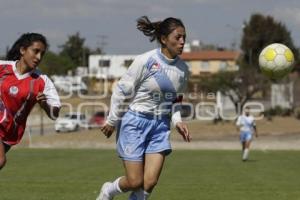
202,62
109,66
207,62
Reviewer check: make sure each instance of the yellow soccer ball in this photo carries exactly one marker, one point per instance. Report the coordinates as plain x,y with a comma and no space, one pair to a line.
276,61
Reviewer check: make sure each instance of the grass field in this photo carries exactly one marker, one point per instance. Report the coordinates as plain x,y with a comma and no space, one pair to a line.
63,174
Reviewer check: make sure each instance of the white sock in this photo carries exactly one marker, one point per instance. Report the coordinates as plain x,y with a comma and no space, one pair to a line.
245,154
139,194
114,188
146,195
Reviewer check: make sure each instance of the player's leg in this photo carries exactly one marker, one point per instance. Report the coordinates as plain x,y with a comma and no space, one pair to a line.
152,169
131,147
157,148
243,142
247,142
132,180
3,149
153,166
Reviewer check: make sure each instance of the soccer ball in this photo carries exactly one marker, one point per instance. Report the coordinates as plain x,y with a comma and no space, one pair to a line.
276,60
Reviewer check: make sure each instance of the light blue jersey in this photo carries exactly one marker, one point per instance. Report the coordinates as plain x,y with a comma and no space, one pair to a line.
246,124
150,86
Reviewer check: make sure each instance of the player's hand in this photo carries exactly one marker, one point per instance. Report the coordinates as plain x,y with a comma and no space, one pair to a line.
41,98
183,130
107,130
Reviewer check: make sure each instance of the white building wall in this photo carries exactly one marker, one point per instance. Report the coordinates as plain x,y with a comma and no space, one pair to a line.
282,95
116,68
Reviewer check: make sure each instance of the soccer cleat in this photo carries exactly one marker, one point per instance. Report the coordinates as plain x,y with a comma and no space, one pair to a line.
103,195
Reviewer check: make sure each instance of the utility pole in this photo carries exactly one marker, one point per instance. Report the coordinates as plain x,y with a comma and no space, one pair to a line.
41,122
102,42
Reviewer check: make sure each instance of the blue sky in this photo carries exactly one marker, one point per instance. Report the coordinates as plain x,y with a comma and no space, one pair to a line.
210,21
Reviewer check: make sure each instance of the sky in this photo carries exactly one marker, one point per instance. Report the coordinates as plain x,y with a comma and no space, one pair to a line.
111,24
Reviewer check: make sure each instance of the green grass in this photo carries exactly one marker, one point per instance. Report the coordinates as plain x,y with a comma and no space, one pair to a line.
42,174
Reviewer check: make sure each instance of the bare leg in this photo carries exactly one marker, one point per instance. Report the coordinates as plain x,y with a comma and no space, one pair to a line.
246,148
152,169
133,178
153,166
2,155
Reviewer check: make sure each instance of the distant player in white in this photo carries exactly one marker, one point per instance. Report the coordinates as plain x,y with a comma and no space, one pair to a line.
151,86
246,125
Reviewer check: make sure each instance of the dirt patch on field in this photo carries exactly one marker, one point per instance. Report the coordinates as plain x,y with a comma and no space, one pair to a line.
280,133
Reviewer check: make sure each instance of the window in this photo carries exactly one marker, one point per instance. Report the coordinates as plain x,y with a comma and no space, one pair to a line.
127,63
223,65
204,65
104,63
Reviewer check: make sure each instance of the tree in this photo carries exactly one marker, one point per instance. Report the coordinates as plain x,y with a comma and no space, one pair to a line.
240,86
259,32
74,49
55,64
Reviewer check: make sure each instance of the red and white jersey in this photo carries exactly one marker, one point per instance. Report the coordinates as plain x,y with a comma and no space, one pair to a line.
18,96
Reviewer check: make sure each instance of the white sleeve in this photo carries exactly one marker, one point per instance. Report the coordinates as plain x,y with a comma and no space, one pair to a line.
176,117
238,121
51,93
125,90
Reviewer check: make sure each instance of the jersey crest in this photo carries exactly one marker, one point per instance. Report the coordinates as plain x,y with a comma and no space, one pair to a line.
13,90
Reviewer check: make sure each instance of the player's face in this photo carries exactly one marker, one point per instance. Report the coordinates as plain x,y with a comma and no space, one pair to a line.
174,42
33,54
247,111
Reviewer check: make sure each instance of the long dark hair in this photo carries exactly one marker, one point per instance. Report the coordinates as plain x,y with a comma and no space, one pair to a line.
25,41
154,30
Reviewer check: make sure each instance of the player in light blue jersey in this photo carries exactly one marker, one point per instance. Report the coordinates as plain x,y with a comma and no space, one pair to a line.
246,125
142,107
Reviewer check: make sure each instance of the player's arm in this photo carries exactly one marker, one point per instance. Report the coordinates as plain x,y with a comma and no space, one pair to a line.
238,123
122,94
183,130
49,99
255,129
51,111
181,127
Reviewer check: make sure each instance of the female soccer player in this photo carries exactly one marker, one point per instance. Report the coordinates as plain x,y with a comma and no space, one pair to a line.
246,125
21,87
150,87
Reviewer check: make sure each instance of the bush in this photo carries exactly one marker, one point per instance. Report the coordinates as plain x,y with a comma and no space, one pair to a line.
279,111
297,113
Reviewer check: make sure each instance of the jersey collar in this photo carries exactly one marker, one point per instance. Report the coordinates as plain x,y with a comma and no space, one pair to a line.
18,75
165,59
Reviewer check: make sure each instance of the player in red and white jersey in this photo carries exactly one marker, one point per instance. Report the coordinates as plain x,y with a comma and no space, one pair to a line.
22,86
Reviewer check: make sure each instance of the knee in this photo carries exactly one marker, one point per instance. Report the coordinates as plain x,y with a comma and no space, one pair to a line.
2,162
150,183
135,183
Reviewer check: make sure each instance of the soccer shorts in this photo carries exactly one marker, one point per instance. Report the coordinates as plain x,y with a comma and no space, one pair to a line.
141,134
6,147
245,136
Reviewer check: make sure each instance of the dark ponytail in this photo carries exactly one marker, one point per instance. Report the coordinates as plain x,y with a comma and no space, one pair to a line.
154,30
150,29
25,41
